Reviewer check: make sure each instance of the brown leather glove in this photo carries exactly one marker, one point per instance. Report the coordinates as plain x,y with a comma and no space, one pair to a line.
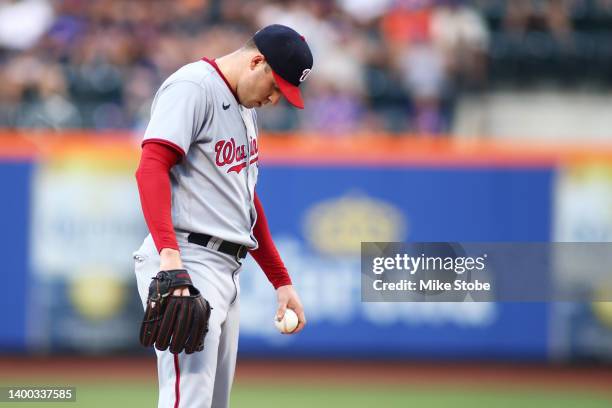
180,322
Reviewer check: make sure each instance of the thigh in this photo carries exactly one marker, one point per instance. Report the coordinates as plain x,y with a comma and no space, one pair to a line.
226,357
146,266
213,273
190,378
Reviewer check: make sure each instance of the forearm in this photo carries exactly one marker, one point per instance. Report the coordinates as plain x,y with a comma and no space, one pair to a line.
266,254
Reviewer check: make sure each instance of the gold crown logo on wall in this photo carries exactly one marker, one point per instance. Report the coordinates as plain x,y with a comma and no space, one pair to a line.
338,226
97,295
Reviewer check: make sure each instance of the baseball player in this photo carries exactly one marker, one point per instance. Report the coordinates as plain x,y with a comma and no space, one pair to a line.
197,178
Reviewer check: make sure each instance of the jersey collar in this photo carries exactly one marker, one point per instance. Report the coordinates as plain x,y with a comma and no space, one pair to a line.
216,67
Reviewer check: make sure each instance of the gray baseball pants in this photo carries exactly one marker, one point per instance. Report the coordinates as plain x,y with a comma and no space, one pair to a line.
202,379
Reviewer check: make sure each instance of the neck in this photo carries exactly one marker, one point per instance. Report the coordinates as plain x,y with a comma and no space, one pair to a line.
231,65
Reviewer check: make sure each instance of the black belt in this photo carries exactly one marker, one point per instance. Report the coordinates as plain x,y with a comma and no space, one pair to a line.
237,251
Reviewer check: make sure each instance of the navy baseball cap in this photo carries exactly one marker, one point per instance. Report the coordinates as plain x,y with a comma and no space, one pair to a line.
289,56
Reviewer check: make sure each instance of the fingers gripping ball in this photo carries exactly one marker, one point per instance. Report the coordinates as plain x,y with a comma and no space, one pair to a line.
288,323
177,322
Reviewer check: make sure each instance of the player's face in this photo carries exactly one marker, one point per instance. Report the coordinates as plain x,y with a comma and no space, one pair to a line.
258,87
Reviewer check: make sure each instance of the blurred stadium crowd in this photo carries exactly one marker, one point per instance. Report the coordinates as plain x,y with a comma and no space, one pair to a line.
380,65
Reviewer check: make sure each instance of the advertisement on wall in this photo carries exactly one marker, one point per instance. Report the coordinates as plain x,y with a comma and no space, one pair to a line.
583,213
86,222
320,216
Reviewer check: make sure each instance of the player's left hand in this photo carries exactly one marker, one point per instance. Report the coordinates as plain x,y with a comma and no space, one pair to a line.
288,298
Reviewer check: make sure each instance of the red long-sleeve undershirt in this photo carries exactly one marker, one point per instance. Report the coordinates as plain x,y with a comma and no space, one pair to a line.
266,255
153,182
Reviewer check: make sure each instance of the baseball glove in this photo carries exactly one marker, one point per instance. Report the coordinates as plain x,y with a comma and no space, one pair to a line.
180,322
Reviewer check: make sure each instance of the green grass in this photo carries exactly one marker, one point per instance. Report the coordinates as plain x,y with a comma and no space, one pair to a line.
322,397
113,395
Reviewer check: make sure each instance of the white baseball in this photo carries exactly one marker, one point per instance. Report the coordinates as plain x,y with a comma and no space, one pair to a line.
288,323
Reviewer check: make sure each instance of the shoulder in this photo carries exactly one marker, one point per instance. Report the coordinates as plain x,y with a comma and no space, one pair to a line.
197,73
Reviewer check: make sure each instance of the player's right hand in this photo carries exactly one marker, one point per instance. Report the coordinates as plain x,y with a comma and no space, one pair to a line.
288,298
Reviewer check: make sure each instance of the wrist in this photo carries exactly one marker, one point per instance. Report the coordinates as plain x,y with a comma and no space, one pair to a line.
285,281
170,259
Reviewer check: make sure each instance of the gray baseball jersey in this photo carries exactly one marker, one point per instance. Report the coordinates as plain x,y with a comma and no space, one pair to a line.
213,186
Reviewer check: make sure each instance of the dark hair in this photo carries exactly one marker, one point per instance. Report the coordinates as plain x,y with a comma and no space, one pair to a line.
250,45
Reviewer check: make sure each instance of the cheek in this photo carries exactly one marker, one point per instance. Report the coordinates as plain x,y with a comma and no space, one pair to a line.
264,86
257,85
245,90
264,90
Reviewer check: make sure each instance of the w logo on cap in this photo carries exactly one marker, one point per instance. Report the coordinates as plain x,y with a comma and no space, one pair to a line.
305,74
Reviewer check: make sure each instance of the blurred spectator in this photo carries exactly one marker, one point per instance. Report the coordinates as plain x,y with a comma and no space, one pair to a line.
518,14
407,29
380,65
461,33
364,11
22,23
332,110
35,95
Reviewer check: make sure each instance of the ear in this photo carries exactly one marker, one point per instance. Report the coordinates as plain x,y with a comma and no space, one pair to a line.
257,60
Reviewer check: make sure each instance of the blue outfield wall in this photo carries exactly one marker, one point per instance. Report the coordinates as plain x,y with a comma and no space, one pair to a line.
463,204
318,215
16,182
426,204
